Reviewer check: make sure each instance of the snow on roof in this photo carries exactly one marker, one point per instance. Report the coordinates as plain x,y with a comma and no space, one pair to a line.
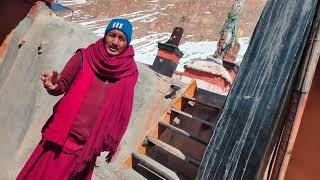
210,67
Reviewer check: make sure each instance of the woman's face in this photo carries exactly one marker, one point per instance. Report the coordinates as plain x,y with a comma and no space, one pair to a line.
115,42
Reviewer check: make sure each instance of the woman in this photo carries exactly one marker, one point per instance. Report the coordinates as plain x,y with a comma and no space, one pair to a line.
92,116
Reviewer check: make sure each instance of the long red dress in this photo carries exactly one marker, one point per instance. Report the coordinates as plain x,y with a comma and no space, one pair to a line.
49,162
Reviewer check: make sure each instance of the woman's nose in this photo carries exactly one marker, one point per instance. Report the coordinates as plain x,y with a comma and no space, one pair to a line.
115,41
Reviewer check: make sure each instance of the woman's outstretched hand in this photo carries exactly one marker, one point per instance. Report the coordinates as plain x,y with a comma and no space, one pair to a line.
50,80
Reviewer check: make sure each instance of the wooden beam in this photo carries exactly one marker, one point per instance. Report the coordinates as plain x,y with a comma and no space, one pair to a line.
182,132
174,151
156,167
192,117
192,89
216,107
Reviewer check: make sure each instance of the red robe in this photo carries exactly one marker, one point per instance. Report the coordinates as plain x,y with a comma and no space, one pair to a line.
92,116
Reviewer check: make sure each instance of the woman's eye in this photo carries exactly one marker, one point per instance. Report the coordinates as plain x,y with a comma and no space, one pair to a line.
122,38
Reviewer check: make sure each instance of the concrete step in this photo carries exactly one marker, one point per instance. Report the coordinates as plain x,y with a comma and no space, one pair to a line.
174,151
182,132
155,166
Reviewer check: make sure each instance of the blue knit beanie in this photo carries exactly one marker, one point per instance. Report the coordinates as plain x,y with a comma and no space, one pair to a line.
121,24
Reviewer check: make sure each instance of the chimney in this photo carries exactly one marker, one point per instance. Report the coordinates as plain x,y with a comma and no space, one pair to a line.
169,54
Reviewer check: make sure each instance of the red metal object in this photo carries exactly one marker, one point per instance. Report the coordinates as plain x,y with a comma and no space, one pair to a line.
172,56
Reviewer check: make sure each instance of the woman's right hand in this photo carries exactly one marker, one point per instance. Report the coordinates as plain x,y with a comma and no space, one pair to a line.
50,80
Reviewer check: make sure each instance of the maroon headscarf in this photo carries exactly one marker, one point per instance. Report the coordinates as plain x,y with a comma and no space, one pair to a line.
108,67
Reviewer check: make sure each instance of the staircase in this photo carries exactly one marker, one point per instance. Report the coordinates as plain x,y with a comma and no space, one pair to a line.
174,147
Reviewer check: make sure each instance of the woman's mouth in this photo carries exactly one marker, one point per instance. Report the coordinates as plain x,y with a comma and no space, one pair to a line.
113,49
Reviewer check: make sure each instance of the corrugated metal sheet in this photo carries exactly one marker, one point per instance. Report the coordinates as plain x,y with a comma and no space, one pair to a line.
251,117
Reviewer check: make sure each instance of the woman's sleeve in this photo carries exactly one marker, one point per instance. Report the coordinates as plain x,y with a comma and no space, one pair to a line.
68,74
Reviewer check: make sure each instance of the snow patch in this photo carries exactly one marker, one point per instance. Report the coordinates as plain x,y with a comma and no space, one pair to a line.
146,49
